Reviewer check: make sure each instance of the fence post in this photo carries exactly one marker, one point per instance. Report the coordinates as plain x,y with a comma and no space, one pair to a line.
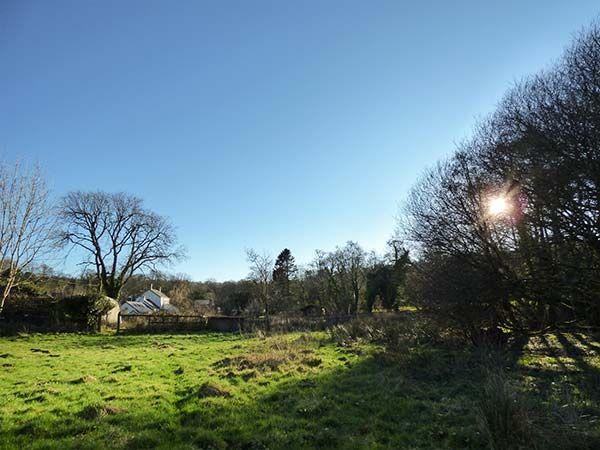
118,321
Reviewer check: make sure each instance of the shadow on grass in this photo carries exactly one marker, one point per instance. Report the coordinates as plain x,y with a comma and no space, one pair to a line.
426,398
422,401
592,347
589,374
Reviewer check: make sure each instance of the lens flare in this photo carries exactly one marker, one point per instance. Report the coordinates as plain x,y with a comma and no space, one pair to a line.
498,205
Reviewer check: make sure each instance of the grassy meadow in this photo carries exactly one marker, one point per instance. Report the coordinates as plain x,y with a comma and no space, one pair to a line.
297,390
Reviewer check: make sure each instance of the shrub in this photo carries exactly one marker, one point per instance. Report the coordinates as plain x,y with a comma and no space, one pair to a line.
78,312
395,333
83,309
460,297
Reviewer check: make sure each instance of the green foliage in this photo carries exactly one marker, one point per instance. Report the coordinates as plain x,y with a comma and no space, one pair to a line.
284,273
285,267
385,281
77,312
26,288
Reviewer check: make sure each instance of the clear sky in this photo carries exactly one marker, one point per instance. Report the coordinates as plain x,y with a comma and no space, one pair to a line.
264,124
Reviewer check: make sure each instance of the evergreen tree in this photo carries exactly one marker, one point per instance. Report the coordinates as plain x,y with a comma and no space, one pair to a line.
283,272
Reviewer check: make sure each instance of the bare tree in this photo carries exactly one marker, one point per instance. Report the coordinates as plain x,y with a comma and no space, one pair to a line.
26,224
119,236
351,265
261,275
518,204
339,277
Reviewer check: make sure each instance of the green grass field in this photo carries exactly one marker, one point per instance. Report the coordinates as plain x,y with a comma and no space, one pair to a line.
287,391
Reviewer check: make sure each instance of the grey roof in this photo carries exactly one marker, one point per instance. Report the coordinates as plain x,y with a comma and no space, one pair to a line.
157,292
141,307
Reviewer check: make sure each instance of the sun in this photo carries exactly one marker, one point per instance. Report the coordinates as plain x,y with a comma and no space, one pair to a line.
498,205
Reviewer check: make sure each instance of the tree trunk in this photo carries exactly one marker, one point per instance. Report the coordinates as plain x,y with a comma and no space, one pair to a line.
267,317
356,299
5,293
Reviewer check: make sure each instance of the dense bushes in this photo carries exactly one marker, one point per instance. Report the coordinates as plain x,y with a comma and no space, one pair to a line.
83,309
397,334
508,228
78,312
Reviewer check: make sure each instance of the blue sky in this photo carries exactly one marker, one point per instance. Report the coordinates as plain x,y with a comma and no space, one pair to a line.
264,124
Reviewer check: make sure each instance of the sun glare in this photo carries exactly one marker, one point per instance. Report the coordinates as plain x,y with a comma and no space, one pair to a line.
498,205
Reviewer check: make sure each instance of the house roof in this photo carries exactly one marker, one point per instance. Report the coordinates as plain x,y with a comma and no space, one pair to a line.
157,292
141,306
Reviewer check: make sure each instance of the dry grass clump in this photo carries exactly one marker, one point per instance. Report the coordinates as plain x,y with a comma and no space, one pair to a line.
305,339
273,354
504,417
93,412
85,379
255,361
398,332
208,389
162,345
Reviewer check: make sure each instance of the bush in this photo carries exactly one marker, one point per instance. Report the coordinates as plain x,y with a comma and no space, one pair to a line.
460,297
78,312
395,333
83,309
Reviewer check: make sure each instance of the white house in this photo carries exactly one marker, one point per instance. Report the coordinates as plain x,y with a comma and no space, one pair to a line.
150,302
156,296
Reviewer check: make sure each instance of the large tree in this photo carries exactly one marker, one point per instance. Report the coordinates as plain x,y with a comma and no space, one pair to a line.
26,225
517,207
386,277
351,265
339,278
283,273
118,235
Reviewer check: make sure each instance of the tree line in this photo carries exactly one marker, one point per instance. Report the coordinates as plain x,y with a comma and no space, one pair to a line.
347,280
122,248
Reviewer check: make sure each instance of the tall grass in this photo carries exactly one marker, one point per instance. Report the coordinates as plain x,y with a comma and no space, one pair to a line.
503,414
